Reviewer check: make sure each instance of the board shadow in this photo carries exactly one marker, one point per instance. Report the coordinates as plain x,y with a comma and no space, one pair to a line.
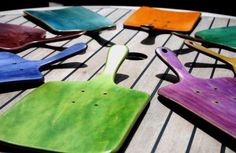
200,123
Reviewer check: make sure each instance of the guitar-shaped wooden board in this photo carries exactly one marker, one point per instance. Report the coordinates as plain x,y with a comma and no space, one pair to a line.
77,117
213,100
14,69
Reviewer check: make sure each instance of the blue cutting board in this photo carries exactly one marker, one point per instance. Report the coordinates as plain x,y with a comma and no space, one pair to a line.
15,69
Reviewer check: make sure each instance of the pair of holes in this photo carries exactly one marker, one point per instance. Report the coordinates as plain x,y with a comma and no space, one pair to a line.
73,102
198,91
20,68
215,88
105,93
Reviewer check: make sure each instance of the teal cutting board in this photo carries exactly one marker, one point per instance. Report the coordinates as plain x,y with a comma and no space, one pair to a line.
224,36
71,19
78,117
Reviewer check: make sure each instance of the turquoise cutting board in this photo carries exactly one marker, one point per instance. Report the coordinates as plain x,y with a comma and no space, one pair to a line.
78,117
71,19
224,36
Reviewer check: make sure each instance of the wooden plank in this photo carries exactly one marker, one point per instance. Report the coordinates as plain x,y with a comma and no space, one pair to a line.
146,134
18,20
227,150
204,143
8,18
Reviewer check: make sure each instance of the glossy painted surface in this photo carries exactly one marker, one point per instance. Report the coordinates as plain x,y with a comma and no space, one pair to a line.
18,37
14,69
72,19
160,19
224,36
91,116
229,60
214,100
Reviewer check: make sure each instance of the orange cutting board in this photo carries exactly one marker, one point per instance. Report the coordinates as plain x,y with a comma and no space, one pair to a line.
160,19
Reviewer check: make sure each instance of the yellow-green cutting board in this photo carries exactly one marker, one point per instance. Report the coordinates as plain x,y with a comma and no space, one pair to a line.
77,117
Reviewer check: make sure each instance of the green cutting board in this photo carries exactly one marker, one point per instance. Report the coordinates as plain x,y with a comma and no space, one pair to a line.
76,117
223,36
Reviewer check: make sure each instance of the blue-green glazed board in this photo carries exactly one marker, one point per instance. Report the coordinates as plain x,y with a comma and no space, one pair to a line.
223,36
72,19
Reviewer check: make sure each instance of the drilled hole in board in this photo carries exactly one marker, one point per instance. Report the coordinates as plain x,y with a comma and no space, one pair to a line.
104,93
197,91
21,69
216,102
234,98
136,56
14,63
191,42
95,104
164,50
82,91
73,102
215,88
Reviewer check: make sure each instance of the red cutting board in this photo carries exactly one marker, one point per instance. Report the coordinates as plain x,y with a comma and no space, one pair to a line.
16,38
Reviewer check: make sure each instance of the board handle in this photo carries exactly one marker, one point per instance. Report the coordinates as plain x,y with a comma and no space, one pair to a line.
59,38
170,59
185,36
206,51
69,52
116,55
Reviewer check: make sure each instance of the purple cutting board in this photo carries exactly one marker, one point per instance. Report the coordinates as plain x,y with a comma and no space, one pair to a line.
17,37
213,100
15,69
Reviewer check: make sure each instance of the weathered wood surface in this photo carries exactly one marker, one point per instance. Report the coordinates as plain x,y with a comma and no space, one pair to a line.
160,129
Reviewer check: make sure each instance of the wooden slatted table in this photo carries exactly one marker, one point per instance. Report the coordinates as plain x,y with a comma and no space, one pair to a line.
160,129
